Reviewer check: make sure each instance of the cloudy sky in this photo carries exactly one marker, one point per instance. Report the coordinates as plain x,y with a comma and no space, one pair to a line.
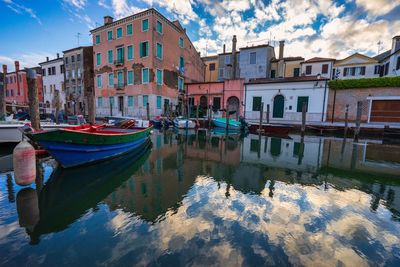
32,29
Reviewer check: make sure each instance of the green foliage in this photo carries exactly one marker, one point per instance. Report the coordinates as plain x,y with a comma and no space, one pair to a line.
365,83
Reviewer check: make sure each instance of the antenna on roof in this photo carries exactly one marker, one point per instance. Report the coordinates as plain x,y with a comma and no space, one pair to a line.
77,36
379,46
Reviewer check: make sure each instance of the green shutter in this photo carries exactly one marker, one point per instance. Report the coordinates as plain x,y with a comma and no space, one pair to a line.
159,27
130,101
145,75
111,79
159,77
256,103
110,57
145,100
145,25
158,101
109,35
99,101
119,32
98,58
130,77
120,79
111,101
159,50
129,29
300,101
130,52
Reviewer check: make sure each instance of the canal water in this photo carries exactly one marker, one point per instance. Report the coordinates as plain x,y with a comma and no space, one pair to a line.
202,198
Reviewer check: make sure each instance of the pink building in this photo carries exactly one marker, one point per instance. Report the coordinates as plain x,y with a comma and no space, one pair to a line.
220,95
17,86
140,59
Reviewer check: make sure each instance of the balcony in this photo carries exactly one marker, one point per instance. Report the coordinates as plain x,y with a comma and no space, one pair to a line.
119,87
119,62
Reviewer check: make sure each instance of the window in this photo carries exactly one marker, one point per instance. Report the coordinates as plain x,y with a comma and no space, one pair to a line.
130,77
120,55
221,73
376,69
109,35
386,68
145,100
145,75
180,42
67,74
159,27
181,63
99,82
159,76
212,66
99,102
308,70
159,51
256,103
273,73
66,60
227,59
79,72
144,49
180,83
345,71
43,72
72,59
119,33
360,71
110,56
398,63
158,102
296,72
325,68
253,57
53,72
73,74
48,71
145,25
111,98
62,70
300,101
130,52
78,57
130,101
129,29
111,79
216,103
120,77
98,59
97,39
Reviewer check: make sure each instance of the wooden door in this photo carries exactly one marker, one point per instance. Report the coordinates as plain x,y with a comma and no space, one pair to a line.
385,111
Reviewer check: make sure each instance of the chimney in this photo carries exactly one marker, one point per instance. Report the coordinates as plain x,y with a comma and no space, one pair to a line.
4,69
395,43
223,49
47,58
16,64
108,20
234,41
58,55
281,47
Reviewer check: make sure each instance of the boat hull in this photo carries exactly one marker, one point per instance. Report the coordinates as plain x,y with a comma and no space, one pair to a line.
10,133
182,124
222,124
274,129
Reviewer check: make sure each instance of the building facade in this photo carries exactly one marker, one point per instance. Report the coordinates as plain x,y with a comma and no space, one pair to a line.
78,65
285,98
255,62
142,59
53,84
390,60
228,63
318,66
211,68
356,66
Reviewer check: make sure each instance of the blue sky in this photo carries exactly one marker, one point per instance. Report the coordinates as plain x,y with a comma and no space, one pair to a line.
34,29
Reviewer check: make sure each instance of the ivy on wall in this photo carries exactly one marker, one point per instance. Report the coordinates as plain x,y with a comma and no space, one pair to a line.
365,83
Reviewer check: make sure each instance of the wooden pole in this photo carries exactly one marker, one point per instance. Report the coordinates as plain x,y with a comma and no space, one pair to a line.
303,118
346,116
261,117
227,120
148,111
2,95
33,99
170,112
358,121
209,116
197,113
91,105
268,113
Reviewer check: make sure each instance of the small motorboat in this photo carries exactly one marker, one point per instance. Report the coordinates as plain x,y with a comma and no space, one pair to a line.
182,123
161,122
86,144
233,124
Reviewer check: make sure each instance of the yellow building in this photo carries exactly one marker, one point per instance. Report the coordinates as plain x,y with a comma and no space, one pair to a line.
286,67
211,69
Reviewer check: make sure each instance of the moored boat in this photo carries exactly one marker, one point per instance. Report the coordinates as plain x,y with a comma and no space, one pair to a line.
87,144
182,123
233,124
271,129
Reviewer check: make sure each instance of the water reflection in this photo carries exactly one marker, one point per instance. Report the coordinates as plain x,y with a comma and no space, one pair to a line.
209,198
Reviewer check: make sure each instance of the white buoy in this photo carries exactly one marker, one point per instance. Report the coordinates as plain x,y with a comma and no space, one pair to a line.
24,161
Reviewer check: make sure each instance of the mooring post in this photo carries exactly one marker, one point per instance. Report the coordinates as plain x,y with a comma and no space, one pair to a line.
261,117
148,111
346,117
303,118
197,114
227,120
91,106
209,116
267,113
33,99
2,95
358,121
170,111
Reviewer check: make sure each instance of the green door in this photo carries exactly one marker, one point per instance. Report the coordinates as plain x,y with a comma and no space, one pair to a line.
279,104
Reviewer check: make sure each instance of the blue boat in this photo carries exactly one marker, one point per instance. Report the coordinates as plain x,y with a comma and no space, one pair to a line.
87,144
233,124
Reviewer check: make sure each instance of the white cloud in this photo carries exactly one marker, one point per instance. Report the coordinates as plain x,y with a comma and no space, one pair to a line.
103,3
121,8
181,9
26,60
21,9
378,7
80,4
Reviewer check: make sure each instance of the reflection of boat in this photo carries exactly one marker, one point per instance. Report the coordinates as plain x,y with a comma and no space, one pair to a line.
89,143
272,129
233,124
67,196
182,123
218,131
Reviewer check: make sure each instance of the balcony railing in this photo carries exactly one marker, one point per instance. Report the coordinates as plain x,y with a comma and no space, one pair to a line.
119,62
120,86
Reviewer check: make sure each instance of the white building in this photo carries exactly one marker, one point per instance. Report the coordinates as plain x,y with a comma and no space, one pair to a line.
285,98
53,82
356,66
318,66
390,60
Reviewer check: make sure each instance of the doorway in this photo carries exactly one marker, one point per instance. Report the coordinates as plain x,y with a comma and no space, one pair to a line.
121,105
279,104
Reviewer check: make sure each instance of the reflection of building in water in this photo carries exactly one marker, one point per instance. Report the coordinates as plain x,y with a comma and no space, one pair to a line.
284,153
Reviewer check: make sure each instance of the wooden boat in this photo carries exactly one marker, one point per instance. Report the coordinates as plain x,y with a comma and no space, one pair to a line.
182,123
87,144
161,122
233,124
268,128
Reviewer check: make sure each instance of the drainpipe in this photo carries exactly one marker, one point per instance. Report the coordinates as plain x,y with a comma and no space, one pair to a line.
16,75
334,103
245,95
323,107
223,95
